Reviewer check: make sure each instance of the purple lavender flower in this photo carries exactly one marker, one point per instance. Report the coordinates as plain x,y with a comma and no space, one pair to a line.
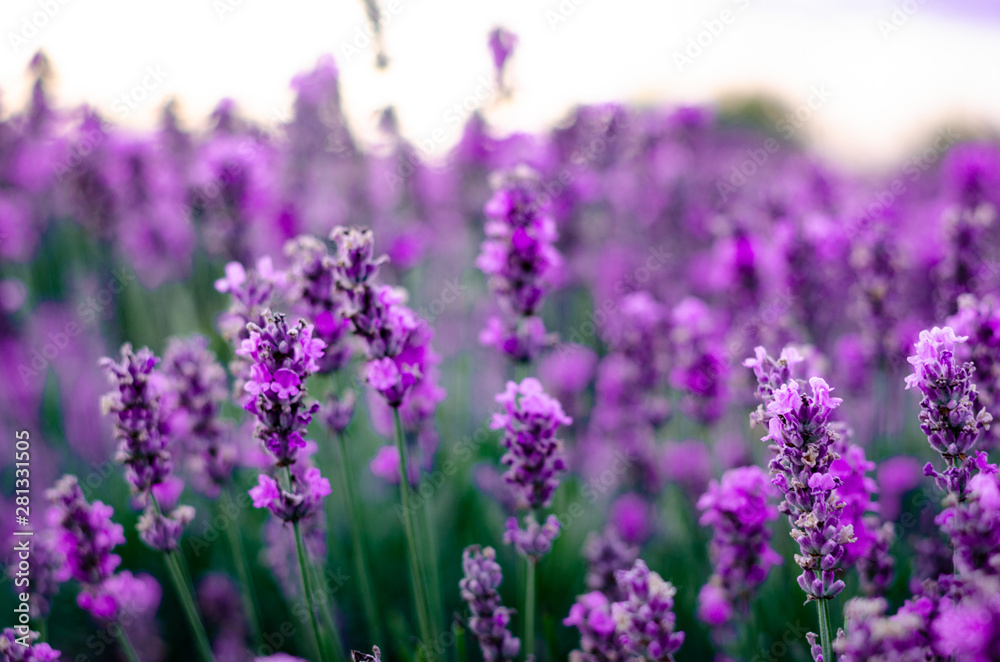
86,535
771,375
591,615
979,320
968,626
645,619
18,646
803,444
251,294
312,289
139,430
307,490
873,635
534,457
738,509
196,390
358,656
856,490
502,43
518,257
606,554
283,357
973,525
337,411
490,620
948,413
876,568
163,531
700,370
534,540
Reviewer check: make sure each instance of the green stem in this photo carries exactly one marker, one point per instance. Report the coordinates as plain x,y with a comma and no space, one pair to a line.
316,576
823,607
300,552
529,611
187,602
125,644
434,579
416,576
360,555
243,572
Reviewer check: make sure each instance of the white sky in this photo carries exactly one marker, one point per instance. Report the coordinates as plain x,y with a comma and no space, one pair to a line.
886,92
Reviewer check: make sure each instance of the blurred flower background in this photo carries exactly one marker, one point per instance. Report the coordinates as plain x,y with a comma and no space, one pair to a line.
455,329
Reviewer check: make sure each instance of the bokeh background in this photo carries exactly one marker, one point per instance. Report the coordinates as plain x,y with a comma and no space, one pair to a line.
875,83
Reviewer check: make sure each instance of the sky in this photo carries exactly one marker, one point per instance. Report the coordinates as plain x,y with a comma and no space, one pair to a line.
870,80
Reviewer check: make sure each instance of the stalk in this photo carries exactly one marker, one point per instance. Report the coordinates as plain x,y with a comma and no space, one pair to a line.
360,554
300,552
177,568
125,645
183,590
434,577
529,611
416,576
823,608
243,572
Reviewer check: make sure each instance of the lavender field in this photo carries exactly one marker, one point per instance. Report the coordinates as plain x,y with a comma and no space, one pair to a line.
656,383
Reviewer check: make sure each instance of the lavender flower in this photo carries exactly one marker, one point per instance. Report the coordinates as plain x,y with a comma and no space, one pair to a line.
86,534
18,646
591,615
979,320
490,620
534,540
973,525
519,258
358,656
948,413
876,568
283,357
502,43
534,457
968,626
645,620
307,490
738,509
873,636
86,537
312,289
139,430
196,390
142,436
803,444
771,375
606,554
251,294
